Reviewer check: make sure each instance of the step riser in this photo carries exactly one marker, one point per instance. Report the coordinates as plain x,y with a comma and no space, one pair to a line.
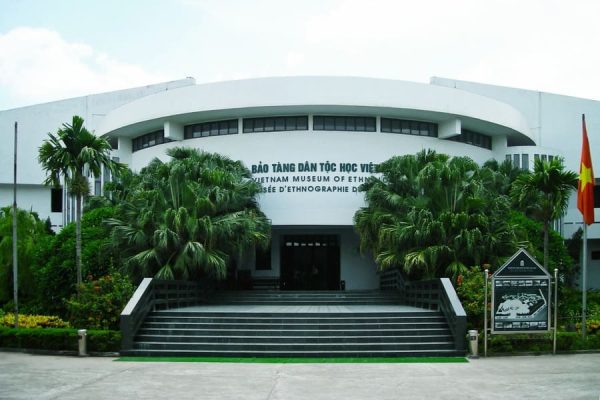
293,315
293,340
294,333
325,347
291,320
304,354
408,325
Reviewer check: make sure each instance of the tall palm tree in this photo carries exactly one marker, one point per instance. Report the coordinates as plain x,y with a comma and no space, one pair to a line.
73,154
544,194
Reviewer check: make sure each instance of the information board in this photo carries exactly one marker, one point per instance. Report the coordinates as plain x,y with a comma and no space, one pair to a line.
521,296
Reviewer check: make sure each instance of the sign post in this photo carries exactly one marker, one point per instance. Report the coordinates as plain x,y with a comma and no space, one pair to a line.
521,296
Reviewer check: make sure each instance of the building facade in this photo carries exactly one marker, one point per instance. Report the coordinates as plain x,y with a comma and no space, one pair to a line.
310,142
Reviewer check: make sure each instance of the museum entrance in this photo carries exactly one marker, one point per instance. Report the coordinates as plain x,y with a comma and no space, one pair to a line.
310,262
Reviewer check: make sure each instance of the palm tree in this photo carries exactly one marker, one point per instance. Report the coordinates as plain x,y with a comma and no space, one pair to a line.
544,194
189,216
73,154
433,216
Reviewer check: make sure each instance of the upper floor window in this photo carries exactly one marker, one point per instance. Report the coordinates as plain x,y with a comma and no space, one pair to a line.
149,140
276,124
473,138
407,127
342,123
213,128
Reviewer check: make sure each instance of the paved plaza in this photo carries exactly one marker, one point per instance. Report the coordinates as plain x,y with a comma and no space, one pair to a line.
25,376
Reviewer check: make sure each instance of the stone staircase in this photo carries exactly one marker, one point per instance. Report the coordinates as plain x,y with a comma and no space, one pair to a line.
296,324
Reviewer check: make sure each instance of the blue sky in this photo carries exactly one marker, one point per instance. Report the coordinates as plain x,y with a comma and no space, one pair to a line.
56,49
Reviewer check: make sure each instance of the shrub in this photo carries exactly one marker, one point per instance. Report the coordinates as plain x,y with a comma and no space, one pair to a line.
99,303
33,321
58,339
470,291
565,341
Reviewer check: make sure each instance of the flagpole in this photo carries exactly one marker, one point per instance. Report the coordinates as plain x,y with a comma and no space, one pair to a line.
14,238
584,284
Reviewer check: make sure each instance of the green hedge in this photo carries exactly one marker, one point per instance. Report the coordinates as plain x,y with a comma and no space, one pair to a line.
518,343
59,339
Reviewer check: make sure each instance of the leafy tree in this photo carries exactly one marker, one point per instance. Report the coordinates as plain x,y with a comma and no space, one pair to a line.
30,231
188,217
74,153
544,194
55,259
559,252
433,215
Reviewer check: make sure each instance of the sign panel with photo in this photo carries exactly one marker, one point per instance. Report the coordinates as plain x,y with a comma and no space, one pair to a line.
521,296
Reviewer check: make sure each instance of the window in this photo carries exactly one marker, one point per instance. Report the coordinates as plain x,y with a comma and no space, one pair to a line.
212,128
597,194
343,123
149,140
56,200
275,124
476,139
525,161
391,125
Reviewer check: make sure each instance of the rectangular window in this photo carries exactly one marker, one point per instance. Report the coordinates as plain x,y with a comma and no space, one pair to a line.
148,140
318,124
525,161
386,125
479,140
407,127
344,123
370,124
56,200
275,124
302,123
516,161
280,124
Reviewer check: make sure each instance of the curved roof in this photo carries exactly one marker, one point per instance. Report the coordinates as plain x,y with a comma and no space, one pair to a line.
334,95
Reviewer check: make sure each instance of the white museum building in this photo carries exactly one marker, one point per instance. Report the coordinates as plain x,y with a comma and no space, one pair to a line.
310,141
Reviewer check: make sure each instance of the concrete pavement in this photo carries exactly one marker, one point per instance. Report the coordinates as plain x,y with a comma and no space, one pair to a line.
25,376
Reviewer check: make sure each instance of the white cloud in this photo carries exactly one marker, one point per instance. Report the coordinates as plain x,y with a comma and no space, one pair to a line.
38,65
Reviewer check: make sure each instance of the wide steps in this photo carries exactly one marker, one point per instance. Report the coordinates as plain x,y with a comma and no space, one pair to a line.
291,331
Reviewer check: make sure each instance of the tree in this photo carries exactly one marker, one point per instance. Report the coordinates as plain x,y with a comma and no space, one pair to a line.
30,231
73,154
433,216
544,194
188,217
55,267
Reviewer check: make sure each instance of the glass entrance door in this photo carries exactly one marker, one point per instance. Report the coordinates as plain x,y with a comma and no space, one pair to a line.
310,262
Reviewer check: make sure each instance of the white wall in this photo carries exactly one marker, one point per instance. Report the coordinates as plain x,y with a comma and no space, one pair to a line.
34,124
284,207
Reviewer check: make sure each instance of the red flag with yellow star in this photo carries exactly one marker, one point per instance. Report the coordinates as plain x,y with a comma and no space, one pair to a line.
585,189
